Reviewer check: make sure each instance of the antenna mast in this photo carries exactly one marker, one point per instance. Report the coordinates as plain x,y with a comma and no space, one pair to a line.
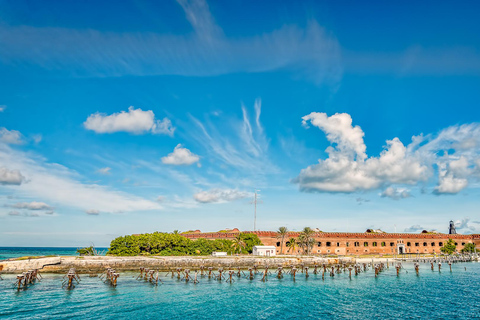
255,212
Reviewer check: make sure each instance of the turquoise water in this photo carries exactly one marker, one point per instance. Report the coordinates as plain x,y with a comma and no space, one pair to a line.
432,295
16,252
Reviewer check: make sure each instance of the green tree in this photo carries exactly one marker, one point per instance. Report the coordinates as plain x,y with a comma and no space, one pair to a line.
292,244
282,232
449,247
250,240
469,248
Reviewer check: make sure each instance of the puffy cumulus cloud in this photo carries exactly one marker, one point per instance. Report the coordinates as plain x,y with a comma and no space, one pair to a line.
34,205
10,177
180,157
134,121
348,168
395,193
104,171
10,136
452,176
414,228
92,212
339,130
220,195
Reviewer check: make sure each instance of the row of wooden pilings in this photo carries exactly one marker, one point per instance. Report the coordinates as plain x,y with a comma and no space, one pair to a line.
152,276
26,279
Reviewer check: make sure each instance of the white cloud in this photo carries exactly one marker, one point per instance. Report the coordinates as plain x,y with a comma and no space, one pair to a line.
339,130
34,205
3,107
310,51
14,213
180,157
60,185
220,195
414,228
464,225
104,171
246,149
134,121
92,212
349,169
10,136
395,193
10,177
37,138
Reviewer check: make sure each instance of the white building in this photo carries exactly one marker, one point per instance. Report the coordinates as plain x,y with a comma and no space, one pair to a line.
264,251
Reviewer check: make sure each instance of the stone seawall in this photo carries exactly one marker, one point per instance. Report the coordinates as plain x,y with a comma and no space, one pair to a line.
99,264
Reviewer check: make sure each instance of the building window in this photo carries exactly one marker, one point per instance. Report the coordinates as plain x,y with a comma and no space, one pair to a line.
456,244
318,251
347,244
278,244
433,244
417,244
338,244
408,244
357,244
328,251
329,244
365,244
440,244
392,244
463,243
319,244
383,244
425,244
374,244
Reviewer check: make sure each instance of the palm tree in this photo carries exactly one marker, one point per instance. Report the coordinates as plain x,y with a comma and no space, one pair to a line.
238,244
282,233
176,232
292,244
306,240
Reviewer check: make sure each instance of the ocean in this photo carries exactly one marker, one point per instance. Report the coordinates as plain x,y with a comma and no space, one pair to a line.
431,295
16,252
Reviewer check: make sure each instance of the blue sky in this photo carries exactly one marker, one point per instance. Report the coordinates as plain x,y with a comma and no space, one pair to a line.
120,118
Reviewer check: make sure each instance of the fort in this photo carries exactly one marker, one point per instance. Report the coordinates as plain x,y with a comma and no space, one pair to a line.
344,243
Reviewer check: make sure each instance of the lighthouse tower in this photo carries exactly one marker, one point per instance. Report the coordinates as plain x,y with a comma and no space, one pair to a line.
451,229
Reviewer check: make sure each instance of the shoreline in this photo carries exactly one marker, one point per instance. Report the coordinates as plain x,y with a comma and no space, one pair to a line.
98,264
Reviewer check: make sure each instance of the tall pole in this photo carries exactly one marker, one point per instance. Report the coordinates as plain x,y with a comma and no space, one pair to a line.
255,216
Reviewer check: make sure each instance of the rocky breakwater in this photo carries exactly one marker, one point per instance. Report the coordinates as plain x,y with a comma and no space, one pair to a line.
100,263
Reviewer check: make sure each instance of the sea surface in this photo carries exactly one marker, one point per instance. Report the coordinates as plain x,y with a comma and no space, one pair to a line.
16,252
431,295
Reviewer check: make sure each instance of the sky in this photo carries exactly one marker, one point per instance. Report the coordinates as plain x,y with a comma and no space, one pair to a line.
140,116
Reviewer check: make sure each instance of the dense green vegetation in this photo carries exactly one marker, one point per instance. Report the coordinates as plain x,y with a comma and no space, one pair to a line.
449,247
87,251
173,244
468,248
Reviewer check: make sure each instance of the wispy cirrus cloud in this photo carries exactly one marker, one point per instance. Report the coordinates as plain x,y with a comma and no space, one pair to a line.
61,186
245,149
206,51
